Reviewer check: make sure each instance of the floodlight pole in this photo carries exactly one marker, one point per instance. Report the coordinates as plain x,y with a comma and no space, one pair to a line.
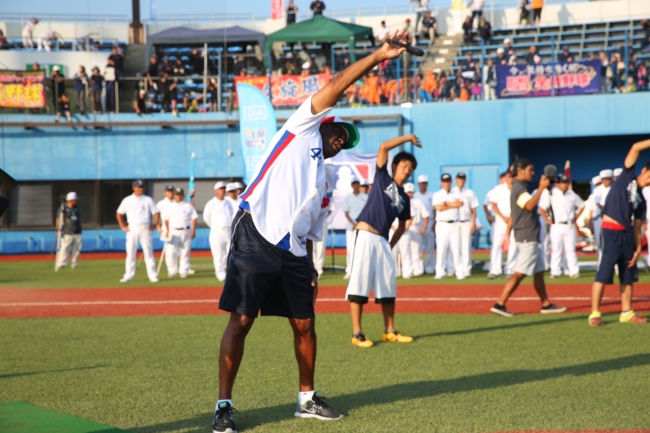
136,24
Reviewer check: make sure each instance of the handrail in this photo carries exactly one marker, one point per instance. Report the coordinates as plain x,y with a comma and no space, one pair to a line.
23,17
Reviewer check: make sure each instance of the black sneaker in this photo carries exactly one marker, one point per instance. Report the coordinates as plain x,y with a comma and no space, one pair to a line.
223,422
552,309
317,408
501,310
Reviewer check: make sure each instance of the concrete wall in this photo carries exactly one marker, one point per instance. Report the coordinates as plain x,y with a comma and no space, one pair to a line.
71,60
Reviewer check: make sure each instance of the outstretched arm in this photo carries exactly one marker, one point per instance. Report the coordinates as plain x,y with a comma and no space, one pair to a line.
633,154
329,95
382,156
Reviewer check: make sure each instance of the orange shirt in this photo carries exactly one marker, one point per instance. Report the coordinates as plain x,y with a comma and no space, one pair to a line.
430,83
538,4
464,94
373,89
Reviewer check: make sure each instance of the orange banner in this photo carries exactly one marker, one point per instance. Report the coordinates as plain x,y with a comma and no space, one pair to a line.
288,89
22,89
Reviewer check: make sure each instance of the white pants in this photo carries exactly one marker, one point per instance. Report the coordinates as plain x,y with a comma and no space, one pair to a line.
598,228
496,255
320,249
415,245
545,240
27,40
563,240
139,233
180,248
70,244
44,44
349,250
220,245
373,267
403,250
466,246
490,93
430,246
448,238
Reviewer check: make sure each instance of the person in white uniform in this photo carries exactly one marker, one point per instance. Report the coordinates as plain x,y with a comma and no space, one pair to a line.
447,204
46,40
489,211
352,206
545,226
69,231
592,212
138,209
466,220
429,237
218,214
419,225
605,186
501,207
616,173
180,221
28,33
365,186
162,207
232,196
566,206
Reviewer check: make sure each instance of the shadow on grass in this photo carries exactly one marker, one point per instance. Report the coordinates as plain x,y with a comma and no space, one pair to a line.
63,370
409,391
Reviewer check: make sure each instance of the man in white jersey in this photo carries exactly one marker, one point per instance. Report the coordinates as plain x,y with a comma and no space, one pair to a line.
605,186
240,188
543,208
616,173
419,223
352,206
592,212
446,203
162,207
218,214
487,207
138,209
466,220
501,207
566,206
429,237
180,222
282,210
232,196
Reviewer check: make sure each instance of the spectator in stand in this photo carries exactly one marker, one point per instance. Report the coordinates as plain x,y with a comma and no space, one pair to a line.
96,81
429,85
530,57
80,89
631,86
484,30
446,90
468,67
382,34
374,88
462,89
421,7
468,31
565,56
317,7
152,72
408,28
537,11
490,80
140,102
166,67
537,60
512,57
179,68
169,94
213,96
57,84
118,60
291,11
63,108
320,61
645,43
507,45
28,33
613,74
477,9
642,77
196,61
429,28
85,43
524,12
110,77
501,59
46,40
604,63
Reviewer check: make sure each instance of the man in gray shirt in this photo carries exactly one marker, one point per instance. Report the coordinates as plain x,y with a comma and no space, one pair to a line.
525,222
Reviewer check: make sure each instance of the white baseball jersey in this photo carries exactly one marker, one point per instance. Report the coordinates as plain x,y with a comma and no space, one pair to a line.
353,205
501,199
427,201
442,196
290,192
470,201
544,199
138,210
603,194
488,199
180,215
218,213
163,204
418,214
565,205
646,194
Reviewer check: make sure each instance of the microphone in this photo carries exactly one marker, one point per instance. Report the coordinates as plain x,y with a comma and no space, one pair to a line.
410,48
550,171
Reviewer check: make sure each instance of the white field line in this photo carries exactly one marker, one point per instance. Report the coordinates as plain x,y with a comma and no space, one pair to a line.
214,301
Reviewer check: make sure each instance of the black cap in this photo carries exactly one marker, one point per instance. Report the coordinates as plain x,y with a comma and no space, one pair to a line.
137,183
461,175
169,188
446,177
179,190
561,178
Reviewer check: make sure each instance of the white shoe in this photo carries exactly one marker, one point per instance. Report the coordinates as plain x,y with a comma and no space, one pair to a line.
73,266
183,275
439,277
346,277
56,268
154,280
406,278
126,280
191,272
172,275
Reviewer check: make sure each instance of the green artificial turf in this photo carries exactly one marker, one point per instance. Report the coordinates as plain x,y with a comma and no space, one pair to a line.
463,373
107,273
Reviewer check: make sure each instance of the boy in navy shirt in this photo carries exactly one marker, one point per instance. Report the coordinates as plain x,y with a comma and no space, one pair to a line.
373,265
623,216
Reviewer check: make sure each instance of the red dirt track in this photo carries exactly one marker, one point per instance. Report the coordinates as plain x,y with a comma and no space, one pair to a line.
150,301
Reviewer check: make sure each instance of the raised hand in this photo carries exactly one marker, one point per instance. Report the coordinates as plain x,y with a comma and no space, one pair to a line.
390,52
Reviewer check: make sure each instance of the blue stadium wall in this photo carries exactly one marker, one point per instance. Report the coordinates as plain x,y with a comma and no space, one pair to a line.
473,137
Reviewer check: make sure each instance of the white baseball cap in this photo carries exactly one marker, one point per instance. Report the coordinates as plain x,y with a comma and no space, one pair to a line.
220,184
231,187
239,185
617,172
71,196
596,180
365,182
605,174
423,178
409,187
500,50
354,179
56,68
507,41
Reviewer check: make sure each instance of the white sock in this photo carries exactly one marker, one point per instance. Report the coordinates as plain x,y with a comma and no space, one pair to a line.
304,397
227,401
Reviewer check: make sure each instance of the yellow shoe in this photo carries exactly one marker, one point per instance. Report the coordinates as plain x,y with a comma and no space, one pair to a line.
631,317
360,340
395,337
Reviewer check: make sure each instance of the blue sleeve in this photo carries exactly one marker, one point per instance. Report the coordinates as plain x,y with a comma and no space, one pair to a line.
405,215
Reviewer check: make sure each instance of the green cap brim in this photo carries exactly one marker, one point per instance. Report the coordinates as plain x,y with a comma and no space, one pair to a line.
353,135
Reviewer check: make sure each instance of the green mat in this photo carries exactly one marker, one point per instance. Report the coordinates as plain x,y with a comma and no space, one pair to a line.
19,417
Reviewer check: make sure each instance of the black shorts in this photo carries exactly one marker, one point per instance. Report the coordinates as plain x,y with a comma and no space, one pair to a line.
537,14
263,277
618,247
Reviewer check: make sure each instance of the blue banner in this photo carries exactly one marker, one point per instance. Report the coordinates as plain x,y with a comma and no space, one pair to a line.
257,125
523,81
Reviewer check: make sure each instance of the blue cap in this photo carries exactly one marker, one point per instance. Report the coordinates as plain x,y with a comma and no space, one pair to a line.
137,183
